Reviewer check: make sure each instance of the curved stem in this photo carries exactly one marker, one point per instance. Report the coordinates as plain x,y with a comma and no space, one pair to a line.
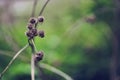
16,55
43,7
55,70
41,11
34,45
34,49
33,9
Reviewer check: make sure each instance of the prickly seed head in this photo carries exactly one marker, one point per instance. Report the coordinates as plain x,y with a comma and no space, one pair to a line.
29,34
40,19
33,20
30,26
34,31
38,56
41,33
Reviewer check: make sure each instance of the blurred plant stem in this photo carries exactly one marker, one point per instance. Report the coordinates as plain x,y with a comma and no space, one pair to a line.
34,50
41,11
31,42
115,41
55,70
15,56
32,67
34,7
9,54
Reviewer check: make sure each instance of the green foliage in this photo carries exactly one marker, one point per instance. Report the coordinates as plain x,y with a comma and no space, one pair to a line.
82,49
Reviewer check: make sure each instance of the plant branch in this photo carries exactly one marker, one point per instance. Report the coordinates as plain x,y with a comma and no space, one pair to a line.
32,68
55,70
9,54
34,8
34,45
41,11
34,50
15,56
43,7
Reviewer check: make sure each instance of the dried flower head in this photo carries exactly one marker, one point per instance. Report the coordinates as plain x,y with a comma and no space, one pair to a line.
30,26
40,19
38,56
33,20
41,33
34,31
29,34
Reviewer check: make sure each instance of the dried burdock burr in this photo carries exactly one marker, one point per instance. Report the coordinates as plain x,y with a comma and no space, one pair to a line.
40,19
30,26
34,31
33,20
41,34
38,56
29,34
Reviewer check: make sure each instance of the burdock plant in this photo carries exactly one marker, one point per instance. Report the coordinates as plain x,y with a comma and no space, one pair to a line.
36,56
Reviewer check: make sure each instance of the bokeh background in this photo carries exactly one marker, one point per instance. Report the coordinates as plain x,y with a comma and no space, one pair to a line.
81,38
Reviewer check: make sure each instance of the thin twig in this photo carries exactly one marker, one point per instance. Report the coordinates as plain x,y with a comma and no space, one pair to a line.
32,68
34,49
41,11
43,7
16,55
9,54
34,8
34,45
55,70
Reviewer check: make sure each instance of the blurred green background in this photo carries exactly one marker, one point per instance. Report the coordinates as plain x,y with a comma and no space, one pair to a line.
81,38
